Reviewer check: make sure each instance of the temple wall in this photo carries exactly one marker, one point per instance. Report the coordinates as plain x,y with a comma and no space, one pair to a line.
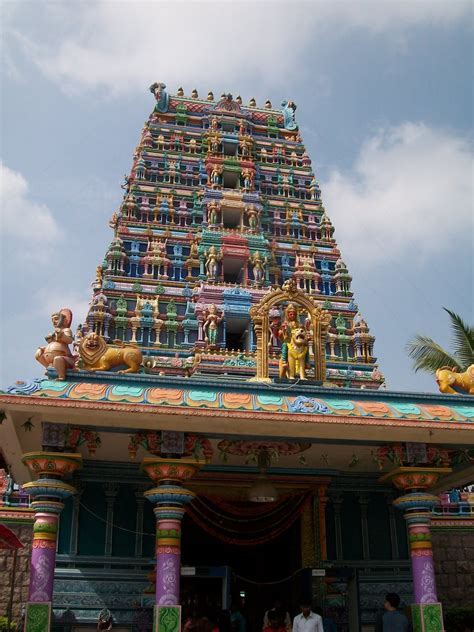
19,576
454,563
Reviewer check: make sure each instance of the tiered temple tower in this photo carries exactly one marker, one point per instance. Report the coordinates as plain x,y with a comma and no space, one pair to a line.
223,262
221,205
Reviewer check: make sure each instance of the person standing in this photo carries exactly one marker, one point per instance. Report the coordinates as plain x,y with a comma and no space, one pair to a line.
392,620
281,612
307,621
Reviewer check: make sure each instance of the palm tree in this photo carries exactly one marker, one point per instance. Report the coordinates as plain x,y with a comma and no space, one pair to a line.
429,356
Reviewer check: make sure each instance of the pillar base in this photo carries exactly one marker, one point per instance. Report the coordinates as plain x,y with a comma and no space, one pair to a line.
166,619
38,616
427,617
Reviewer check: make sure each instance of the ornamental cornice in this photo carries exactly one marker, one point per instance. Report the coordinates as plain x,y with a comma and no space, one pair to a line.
451,421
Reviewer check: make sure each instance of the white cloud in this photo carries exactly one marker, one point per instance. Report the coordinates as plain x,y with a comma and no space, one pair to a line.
49,300
409,193
121,46
28,225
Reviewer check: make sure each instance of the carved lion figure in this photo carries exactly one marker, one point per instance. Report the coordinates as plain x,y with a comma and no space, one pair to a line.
298,356
97,355
447,378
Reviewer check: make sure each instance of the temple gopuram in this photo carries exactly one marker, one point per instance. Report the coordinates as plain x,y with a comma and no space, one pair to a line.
216,428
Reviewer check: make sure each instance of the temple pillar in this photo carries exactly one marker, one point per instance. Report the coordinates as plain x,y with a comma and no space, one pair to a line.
393,527
337,500
49,493
139,524
364,504
416,504
308,549
110,490
76,504
170,499
322,502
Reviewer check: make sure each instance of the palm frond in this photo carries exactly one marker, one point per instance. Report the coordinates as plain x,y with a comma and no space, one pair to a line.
429,356
463,335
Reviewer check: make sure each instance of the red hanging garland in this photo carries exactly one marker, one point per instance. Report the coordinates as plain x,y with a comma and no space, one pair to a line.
243,523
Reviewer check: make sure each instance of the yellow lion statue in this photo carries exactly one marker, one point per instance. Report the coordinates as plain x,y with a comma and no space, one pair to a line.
447,378
297,356
97,355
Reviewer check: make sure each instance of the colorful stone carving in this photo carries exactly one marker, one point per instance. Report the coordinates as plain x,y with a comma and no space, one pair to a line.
288,109
211,324
161,96
221,204
315,328
97,355
450,381
213,256
56,353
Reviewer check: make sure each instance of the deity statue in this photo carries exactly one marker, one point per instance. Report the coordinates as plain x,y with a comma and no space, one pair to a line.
99,275
216,176
274,316
126,183
57,353
211,324
171,310
253,217
259,265
245,147
294,350
288,109
214,140
194,250
213,256
247,177
212,216
161,96
214,124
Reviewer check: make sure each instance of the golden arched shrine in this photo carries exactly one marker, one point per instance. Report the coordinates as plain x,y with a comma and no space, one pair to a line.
319,325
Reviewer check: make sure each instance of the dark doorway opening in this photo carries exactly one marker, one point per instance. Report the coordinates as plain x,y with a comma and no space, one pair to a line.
230,180
233,270
237,334
258,571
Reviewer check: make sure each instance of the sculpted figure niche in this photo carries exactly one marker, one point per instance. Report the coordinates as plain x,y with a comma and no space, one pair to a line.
305,325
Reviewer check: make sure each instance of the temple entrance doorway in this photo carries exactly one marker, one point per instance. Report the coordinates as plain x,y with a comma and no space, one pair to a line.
257,572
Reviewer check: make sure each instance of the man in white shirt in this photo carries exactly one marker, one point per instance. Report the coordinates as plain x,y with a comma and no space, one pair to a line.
307,621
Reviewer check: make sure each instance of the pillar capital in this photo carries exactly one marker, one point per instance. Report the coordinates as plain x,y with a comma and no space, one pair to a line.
52,464
170,470
415,478
50,468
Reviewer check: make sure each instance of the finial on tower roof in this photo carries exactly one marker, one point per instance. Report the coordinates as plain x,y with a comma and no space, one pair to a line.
268,104
180,92
194,94
252,102
239,100
210,96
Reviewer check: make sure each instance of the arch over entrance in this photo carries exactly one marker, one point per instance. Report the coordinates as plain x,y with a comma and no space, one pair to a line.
319,317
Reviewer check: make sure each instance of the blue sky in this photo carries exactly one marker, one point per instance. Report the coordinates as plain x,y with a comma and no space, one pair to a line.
384,96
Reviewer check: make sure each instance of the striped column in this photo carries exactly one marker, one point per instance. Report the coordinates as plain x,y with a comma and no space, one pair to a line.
416,504
170,498
49,493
